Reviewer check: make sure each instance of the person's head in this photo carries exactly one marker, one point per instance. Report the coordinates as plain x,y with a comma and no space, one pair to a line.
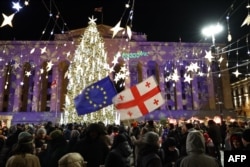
25,143
72,160
56,136
171,143
195,142
236,141
151,138
119,139
41,133
246,137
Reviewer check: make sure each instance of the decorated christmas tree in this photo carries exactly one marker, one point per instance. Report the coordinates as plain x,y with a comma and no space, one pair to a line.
88,66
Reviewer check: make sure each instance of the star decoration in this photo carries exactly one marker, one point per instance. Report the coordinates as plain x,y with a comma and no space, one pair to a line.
220,59
187,78
16,6
116,29
246,21
209,56
236,73
49,66
195,66
175,77
68,54
92,20
7,20
32,50
129,32
28,73
16,65
43,50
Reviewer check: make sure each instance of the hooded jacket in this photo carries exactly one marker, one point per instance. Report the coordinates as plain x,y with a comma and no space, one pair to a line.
195,146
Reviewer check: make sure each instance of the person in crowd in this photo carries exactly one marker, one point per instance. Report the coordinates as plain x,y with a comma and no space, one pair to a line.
171,152
41,140
23,152
57,147
196,155
185,129
149,155
246,139
72,160
214,132
74,138
209,145
92,146
120,152
223,130
138,142
67,131
236,141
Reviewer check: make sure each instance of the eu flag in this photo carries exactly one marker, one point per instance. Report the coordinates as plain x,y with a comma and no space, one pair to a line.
95,97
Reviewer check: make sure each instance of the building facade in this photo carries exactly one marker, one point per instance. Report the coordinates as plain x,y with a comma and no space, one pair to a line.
33,82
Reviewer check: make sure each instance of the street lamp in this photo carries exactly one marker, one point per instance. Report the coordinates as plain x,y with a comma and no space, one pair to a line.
211,31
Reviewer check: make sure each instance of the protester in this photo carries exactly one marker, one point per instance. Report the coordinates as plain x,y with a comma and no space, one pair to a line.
246,139
171,152
149,155
57,147
72,160
23,152
92,146
120,152
196,156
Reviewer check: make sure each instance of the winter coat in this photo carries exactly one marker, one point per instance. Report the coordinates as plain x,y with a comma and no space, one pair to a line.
23,160
119,156
197,157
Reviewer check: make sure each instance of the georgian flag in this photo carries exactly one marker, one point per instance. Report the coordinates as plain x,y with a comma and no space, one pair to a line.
139,100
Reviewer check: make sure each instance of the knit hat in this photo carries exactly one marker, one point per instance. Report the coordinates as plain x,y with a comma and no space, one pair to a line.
72,159
151,138
25,138
120,138
55,134
246,135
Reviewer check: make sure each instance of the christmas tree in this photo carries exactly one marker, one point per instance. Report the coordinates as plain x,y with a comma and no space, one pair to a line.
88,66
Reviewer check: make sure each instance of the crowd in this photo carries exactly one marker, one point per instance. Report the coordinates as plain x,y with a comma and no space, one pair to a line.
141,144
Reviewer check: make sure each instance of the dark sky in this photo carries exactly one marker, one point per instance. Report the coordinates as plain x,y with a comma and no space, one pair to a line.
161,20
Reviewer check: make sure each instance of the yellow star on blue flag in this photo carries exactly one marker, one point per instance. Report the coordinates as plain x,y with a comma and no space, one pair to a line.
95,97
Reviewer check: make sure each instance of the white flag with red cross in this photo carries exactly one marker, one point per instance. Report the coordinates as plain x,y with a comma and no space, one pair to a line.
139,100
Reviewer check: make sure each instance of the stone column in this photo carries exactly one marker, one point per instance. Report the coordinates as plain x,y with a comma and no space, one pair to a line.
36,90
195,94
178,93
18,90
161,85
2,83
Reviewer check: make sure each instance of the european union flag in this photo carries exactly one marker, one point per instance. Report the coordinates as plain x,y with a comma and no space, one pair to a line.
95,97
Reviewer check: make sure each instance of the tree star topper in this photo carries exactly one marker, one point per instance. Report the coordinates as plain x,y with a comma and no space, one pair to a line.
92,20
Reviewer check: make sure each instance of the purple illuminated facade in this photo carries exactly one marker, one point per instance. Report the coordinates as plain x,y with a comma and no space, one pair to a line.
25,80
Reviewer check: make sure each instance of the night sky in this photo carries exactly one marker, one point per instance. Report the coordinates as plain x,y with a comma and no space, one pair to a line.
161,20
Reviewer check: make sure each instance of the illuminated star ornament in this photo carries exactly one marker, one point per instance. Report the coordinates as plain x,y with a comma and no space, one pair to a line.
116,29
49,66
7,20
16,6
236,73
247,19
209,56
